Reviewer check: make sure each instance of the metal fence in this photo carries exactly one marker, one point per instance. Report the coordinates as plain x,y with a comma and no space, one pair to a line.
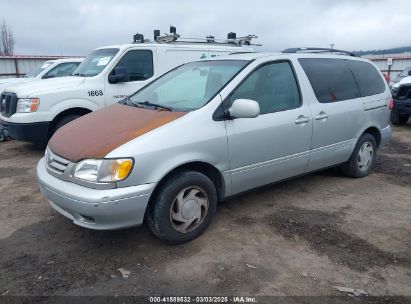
19,65
391,65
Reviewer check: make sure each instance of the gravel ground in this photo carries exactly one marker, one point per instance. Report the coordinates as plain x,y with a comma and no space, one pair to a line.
299,237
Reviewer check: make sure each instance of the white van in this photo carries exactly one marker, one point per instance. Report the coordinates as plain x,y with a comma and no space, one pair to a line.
49,69
34,111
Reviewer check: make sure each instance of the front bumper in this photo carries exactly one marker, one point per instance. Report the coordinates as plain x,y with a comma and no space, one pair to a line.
36,132
403,107
95,209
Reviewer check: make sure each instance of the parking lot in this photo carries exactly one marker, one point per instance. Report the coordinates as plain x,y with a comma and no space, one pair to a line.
299,237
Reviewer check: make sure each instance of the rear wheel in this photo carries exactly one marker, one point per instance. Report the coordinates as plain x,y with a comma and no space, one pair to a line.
397,119
362,159
183,207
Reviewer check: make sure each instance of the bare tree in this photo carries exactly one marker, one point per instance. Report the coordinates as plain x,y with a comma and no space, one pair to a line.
6,39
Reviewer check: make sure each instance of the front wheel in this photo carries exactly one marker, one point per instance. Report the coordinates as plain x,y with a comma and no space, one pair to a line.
362,158
183,207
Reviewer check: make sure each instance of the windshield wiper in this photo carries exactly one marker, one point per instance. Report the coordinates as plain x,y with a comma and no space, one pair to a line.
150,104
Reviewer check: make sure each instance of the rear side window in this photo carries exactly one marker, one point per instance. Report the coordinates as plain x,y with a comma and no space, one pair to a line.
368,78
331,79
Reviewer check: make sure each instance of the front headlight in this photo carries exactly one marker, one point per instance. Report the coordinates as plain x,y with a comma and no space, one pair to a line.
27,105
103,170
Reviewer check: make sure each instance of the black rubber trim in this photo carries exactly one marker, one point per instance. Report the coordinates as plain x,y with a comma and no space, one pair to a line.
33,132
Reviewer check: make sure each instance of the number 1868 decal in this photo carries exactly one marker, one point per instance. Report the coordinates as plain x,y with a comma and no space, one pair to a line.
95,93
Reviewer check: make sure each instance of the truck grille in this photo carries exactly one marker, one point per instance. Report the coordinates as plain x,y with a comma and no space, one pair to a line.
8,104
56,163
404,92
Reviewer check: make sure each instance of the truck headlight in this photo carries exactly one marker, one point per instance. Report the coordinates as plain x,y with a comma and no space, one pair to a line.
27,105
103,170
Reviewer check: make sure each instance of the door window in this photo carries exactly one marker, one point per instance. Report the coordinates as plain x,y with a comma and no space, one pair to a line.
273,86
63,69
139,64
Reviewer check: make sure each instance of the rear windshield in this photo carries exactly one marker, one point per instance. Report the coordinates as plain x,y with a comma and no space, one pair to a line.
340,79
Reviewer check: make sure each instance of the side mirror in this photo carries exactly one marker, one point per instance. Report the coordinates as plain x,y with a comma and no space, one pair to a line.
409,73
119,74
244,108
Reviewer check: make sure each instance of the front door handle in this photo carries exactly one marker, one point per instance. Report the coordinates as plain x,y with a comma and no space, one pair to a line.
302,119
322,115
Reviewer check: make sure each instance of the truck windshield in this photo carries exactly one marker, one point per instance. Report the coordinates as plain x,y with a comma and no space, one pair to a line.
188,87
95,62
38,70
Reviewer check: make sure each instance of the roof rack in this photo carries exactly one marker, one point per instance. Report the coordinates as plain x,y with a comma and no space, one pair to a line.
173,37
317,50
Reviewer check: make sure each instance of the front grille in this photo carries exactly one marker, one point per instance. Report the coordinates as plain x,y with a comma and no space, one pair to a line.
56,163
8,104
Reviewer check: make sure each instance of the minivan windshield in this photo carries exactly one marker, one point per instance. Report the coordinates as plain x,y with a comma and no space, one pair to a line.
188,87
38,70
95,62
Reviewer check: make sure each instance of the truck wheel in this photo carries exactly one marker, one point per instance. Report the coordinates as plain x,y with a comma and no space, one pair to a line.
65,120
183,207
397,119
362,158
2,136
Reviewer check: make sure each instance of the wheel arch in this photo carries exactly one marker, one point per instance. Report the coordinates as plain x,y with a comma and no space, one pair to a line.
374,131
199,166
71,111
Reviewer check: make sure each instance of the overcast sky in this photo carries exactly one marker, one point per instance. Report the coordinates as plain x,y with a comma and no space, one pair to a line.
74,27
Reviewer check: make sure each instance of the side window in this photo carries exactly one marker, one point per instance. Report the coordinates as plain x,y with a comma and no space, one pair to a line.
368,78
273,86
331,79
62,69
138,63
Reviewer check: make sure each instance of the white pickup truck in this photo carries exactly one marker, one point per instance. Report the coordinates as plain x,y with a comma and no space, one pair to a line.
35,110
49,69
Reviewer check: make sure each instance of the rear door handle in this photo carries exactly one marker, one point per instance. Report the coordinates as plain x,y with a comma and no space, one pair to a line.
321,115
302,119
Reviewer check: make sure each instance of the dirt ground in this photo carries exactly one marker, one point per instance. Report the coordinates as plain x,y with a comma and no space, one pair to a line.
298,237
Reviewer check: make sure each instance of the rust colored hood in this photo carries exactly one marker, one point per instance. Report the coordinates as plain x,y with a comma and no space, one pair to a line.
98,133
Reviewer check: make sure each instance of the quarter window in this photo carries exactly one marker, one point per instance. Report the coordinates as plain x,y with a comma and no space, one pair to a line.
273,86
331,79
368,78
139,64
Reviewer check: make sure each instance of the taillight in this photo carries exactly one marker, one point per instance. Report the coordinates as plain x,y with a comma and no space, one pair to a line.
391,104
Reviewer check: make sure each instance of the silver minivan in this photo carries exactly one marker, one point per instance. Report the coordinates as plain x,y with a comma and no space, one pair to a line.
211,129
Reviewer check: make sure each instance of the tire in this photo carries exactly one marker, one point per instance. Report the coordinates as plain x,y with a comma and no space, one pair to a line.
2,136
362,159
397,119
169,220
64,120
